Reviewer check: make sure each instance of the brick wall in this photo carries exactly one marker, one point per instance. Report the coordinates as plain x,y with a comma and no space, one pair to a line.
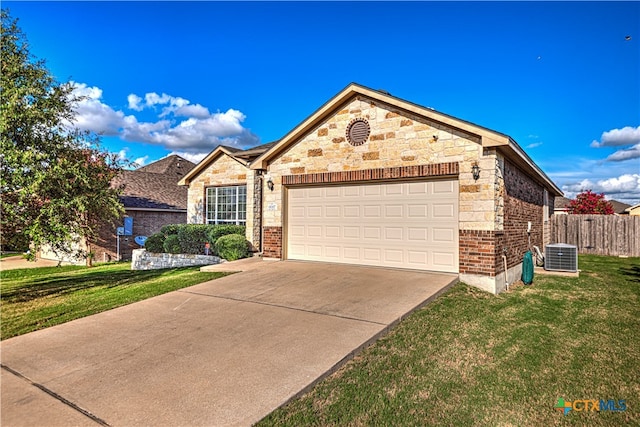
523,202
145,223
272,242
479,252
400,172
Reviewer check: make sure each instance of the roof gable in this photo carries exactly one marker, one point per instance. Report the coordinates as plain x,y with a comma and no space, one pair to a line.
488,137
244,157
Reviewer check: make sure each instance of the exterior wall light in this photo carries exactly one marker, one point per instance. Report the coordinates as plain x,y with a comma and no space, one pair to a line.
270,183
475,170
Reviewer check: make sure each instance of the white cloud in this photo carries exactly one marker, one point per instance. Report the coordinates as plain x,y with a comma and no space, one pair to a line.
122,154
625,188
625,154
618,137
181,126
197,111
534,145
134,102
194,158
140,161
92,114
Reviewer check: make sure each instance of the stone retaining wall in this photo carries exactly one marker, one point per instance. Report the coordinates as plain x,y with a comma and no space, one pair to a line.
143,260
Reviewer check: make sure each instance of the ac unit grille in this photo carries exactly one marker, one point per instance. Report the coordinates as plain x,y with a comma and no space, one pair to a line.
561,257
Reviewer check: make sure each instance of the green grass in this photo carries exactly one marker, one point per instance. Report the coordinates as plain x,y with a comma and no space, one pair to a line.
9,255
471,358
36,298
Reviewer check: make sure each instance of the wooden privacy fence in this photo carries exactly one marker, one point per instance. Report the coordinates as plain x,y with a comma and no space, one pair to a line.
598,234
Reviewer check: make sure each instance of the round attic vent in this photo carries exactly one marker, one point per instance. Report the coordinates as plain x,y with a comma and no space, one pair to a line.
358,131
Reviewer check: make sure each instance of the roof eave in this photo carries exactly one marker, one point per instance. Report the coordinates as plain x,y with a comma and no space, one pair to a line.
514,152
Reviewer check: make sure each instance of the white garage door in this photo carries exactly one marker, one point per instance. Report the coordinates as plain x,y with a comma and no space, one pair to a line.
405,225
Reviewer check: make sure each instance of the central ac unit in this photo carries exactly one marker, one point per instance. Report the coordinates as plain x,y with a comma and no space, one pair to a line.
561,257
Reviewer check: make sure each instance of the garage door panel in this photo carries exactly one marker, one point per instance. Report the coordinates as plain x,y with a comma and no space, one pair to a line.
332,231
352,211
351,191
444,259
372,233
372,211
372,255
418,211
394,256
406,225
443,235
417,234
351,232
393,211
350,253
393,233
444,187
315,193
444,210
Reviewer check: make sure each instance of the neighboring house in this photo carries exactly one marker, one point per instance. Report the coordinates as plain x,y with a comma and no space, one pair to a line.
633,210
152,198
371,179
561,206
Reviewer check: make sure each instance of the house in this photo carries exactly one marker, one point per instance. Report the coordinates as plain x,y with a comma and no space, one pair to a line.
151,198
561,206
633,210
372,179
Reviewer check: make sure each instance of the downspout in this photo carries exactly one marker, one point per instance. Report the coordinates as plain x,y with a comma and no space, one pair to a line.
506,280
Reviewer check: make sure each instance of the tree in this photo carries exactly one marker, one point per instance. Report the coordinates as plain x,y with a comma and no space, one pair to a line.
55,179
589,202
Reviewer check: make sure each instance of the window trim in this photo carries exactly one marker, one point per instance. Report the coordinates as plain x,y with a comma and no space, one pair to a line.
215,220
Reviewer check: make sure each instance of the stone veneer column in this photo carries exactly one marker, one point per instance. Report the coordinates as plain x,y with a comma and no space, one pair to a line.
257,211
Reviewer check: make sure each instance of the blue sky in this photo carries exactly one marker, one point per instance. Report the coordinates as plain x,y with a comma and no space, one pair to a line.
561,78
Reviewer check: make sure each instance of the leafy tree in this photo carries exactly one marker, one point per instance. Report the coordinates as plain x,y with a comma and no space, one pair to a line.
590,203
55,180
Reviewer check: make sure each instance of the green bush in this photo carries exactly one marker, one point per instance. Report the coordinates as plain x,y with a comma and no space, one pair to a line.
172,244
232,247
155,243
170,229
193,238
217,231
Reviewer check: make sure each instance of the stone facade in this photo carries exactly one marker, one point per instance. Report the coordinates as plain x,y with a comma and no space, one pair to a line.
397,139
223,171
143,260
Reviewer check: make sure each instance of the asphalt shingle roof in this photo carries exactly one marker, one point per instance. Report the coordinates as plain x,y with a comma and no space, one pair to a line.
155,186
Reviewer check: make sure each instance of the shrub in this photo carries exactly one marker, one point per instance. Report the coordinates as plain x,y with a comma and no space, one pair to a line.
232,247
217,231
193,237
155,243
170,229
172,244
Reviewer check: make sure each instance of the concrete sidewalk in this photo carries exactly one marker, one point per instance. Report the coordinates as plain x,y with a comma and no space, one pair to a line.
18,261
225,352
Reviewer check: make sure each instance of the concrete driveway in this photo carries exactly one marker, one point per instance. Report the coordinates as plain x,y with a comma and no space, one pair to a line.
225,352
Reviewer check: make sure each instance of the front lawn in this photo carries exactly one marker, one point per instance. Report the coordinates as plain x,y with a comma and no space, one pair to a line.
36,298
471,358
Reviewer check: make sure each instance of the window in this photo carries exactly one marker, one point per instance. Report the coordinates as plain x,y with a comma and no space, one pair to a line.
227,205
